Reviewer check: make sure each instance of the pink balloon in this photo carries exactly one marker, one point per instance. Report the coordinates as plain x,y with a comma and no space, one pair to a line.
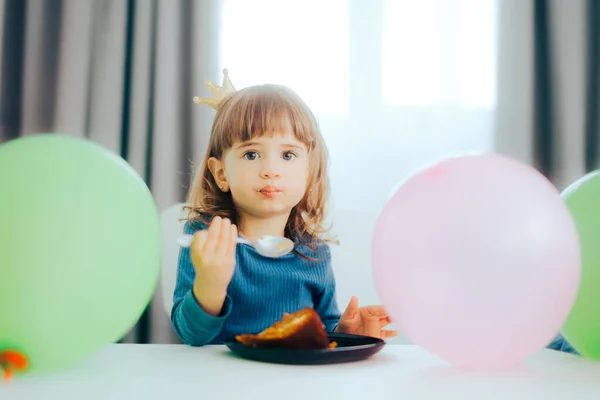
477,259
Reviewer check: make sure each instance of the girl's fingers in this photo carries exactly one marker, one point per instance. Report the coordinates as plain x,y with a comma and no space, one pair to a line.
224,236
214,230
388,333
198,241
378,311
351,308
232,241
369,314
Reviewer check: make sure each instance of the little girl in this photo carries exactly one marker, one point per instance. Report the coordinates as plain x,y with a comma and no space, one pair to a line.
265,172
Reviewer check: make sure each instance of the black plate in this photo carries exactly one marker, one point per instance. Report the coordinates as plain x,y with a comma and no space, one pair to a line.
349,348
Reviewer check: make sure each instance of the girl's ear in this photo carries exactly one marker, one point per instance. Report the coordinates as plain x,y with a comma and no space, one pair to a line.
218,172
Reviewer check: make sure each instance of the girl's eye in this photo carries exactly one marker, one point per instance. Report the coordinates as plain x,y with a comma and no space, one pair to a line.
251,155
289,155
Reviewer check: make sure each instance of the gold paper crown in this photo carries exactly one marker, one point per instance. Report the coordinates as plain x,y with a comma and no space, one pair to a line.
218,94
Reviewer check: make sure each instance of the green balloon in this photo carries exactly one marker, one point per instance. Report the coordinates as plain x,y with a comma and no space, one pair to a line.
80,249
582,328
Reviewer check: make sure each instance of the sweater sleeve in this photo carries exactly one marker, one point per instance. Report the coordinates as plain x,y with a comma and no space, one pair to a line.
560,344
326,303
192,324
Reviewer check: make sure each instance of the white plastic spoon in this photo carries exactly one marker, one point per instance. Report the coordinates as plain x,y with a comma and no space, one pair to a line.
267,246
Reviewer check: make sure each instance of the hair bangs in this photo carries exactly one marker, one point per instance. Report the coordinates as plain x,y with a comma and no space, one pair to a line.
266,110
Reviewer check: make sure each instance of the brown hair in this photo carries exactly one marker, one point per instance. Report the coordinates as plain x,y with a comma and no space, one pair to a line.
252,112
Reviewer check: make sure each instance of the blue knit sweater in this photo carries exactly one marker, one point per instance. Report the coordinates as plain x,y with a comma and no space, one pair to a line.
261,291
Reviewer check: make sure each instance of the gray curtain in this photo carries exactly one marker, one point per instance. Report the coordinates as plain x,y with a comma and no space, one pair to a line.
548,85
122,73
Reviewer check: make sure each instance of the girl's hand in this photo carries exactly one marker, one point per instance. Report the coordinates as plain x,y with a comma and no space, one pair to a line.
213,255
365,321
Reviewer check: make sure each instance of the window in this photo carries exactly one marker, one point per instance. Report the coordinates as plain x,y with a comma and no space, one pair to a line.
439,53
396,84
302,44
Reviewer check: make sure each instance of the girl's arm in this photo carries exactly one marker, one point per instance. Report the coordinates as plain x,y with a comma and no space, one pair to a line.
325,301
193,325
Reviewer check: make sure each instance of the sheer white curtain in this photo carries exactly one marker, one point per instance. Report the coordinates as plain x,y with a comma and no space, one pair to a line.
395,83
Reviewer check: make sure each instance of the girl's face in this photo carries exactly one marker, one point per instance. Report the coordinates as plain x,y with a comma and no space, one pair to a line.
267,175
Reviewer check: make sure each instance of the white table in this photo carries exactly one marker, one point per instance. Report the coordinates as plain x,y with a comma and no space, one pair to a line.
126,371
